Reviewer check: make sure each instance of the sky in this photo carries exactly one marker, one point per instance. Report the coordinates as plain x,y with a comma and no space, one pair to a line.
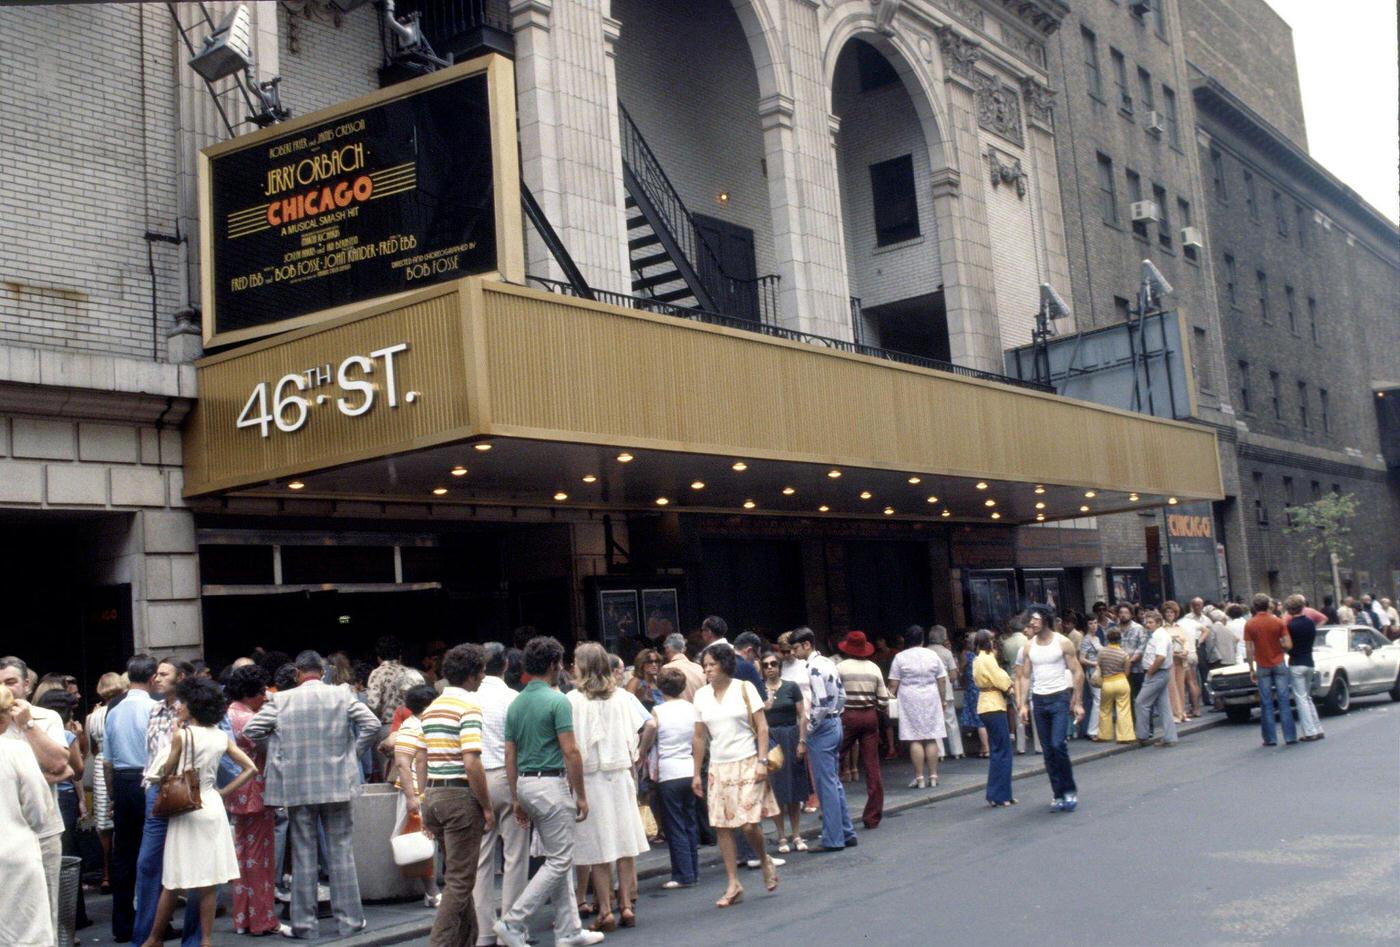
1346,53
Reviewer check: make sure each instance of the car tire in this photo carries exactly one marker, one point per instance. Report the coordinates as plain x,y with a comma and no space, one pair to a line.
1338,699
1238,714
1395,689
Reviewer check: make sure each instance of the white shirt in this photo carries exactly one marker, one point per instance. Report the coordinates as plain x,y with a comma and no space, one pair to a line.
1236,626
495,699
1049,670
731,734
675,734
52,725
1159,644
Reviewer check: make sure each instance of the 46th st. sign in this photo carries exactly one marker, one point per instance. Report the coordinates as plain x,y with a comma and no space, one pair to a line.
282,404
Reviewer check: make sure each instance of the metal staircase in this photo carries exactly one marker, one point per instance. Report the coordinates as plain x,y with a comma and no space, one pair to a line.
671,261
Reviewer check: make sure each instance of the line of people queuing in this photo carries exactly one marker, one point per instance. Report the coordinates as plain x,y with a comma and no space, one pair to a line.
507,754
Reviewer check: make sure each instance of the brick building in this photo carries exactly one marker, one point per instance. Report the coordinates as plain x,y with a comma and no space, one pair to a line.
1308,280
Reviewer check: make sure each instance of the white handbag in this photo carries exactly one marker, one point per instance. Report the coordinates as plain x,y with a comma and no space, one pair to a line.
412,848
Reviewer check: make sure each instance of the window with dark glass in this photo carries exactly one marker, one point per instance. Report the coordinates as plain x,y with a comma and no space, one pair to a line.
1244,387
1231,281
1262,281
1303,404
1312,317
1108,200
1091,61
1199,365
1251,199
1217,175
1316,490
896,206
1280,219
1147,100
1276,395
1288,500
1120,80
1300,218
1324,409
1135,195
1183,211
1261,509
1164,224
1169,106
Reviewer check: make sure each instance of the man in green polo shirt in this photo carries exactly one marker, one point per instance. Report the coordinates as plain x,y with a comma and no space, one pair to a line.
540,755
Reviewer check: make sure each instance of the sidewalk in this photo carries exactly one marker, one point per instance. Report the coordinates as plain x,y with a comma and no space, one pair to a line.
401,922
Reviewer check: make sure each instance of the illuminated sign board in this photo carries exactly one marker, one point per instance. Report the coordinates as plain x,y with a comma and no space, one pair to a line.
408,187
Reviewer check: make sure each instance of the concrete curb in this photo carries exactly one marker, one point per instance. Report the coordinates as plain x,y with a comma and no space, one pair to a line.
400,933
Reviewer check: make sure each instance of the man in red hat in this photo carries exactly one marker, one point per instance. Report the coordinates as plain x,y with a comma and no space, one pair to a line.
866,700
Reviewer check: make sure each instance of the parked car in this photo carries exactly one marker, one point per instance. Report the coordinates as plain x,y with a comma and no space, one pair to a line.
1349,661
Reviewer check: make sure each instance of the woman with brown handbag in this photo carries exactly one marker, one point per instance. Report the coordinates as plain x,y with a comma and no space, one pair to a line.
730,724
199,850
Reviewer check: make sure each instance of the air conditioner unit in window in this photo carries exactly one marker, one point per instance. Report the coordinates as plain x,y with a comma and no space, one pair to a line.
1156,123
1145,210
1140,7
1191,237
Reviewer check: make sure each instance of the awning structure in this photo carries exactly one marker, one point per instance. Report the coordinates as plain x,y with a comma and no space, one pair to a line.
484,393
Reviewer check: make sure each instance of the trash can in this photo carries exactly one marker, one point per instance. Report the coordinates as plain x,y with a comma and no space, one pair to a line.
373,811
70,879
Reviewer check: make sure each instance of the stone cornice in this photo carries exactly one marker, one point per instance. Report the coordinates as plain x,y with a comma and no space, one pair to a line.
1042,15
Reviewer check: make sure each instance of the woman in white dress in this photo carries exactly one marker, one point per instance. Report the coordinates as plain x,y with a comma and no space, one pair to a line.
199,851
607,723
917,677
25,800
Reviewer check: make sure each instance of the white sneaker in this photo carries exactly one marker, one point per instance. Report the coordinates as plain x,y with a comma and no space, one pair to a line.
511,936
753,863
777,862
582,937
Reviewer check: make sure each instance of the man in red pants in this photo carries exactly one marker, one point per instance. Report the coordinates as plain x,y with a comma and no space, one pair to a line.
866,701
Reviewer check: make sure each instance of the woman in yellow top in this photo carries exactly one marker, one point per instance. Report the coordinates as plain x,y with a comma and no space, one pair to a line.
993,685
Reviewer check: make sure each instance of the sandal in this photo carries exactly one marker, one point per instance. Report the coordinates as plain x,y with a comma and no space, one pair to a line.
586,910
605,924
799,843
770,875
783,847
628,918
729,900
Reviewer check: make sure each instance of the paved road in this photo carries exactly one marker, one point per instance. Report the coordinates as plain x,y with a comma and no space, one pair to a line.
1216,841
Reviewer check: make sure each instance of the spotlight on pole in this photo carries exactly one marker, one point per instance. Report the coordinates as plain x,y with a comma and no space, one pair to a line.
228,50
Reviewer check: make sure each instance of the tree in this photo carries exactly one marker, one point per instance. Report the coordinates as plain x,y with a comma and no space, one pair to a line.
1323,528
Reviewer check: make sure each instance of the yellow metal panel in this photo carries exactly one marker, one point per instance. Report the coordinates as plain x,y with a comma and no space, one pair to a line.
435,368
561,369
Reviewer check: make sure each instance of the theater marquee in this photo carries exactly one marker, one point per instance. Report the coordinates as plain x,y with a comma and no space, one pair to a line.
401,189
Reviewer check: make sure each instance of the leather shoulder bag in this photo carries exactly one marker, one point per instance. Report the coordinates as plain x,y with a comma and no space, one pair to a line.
776,759
179,783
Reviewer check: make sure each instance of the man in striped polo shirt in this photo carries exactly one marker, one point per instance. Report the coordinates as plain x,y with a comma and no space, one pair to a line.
457,804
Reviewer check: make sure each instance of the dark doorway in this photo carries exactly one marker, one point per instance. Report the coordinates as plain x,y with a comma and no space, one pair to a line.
730,269
890,587
755,585
918,326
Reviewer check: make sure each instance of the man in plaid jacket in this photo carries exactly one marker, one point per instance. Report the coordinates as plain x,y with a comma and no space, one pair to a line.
316,734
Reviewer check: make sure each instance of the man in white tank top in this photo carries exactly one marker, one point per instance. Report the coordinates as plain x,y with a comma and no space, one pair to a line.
1050,670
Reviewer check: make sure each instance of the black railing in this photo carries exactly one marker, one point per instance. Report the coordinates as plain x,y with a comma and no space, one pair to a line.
755,299
463,28
778,332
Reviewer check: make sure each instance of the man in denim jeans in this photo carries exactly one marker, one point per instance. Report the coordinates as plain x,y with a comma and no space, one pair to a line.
1266,641
1049,670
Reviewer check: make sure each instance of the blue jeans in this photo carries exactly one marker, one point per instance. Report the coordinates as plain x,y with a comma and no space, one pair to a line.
149,866
999,749
1051,712
823,748
682,831
1274,685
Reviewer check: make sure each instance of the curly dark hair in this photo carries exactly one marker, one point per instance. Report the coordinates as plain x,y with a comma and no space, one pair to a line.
419,697
388,648
247,681
462,662
286,677
203,699
723,655
540,653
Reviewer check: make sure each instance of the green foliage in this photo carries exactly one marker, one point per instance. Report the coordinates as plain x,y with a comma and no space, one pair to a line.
1323,528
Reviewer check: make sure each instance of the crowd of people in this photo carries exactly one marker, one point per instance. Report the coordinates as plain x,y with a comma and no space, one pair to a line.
518,759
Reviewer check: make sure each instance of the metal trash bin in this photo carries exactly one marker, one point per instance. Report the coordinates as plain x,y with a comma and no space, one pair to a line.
70,879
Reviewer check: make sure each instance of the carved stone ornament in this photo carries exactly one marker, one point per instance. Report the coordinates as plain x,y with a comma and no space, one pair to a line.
884,15
999,108
1040,100
1009,174
959,53
965,10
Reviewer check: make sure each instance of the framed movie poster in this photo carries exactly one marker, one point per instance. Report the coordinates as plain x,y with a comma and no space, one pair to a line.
618,620
660,615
